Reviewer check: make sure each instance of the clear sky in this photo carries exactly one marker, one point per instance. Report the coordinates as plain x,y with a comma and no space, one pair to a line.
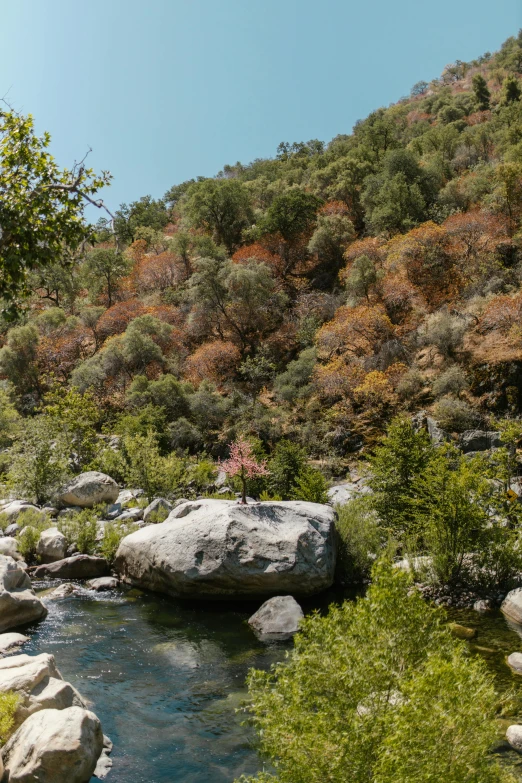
165,90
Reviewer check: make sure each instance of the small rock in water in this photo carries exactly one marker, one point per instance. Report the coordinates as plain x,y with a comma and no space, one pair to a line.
277,618
63,591
461,632
482,606
515,662
10,641
103,583
514,737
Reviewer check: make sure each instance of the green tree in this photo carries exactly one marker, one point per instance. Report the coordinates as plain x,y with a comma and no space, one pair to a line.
362,277
360,700
18,358
240,300
41,209
397,198
221,207
40,462
291,214
10,419
511,91
76,416
166,393
287,464
145,212
481,92
451,516
329,241
396,465
102,270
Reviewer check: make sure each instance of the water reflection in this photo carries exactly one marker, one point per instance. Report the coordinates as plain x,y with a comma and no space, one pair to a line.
165,679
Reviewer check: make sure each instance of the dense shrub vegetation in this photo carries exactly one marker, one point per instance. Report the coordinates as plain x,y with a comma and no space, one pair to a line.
309,296
360,699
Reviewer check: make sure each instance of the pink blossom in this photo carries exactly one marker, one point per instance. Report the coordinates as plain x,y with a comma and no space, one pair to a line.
243,463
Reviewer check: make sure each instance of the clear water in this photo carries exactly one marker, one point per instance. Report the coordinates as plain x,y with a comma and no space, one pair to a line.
166,678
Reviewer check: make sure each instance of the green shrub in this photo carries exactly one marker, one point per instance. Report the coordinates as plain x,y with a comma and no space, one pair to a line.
32,523
452,381
397,462
378,691
360,539
40,460
113,534
158,516
454,415
311,486
287,463
146,468
81,530
452,513
8,704
266,496
220,495
203,474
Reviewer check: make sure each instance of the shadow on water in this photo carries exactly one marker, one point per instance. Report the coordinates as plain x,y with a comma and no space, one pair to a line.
166,677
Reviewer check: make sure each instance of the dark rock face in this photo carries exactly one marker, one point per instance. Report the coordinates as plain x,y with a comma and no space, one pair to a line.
479,440
76,567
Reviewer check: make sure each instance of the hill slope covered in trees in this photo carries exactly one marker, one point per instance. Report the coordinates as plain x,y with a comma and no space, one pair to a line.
308,297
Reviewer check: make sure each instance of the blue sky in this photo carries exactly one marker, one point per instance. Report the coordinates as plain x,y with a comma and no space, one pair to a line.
165,90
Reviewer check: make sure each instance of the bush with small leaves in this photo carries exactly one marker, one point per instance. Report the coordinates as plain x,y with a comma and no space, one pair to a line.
455,415
31,523
360,539
8,704
361,700
445,331
113,534
310,485
80,528
411,384
452,381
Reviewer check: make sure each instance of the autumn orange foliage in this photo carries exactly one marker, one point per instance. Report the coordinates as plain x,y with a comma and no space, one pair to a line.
215,361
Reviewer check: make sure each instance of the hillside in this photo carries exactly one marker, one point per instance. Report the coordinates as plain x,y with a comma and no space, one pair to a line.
308,297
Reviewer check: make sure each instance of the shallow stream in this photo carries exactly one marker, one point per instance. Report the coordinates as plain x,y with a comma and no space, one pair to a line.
166,677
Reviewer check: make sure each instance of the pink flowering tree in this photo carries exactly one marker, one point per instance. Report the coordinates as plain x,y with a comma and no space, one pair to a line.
243,463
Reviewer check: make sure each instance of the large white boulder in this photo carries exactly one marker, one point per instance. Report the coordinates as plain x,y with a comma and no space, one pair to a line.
277,618
54,746
9,547
220,548
88,489
18,602
52,545
38,684
512,605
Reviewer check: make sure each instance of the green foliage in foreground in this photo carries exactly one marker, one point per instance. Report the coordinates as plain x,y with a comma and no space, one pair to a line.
8,704
377,692
113,533
80,528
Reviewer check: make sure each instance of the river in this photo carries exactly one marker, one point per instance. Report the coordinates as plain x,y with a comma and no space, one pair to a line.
166,677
